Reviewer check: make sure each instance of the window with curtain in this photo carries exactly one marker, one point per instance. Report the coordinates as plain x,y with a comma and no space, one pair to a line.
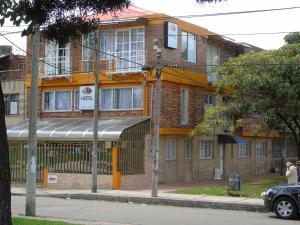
170,149
76,100
244,149
57,101
11,102
205,149
189,47
184,106
123,49
88,43
57,59
212,61
121,98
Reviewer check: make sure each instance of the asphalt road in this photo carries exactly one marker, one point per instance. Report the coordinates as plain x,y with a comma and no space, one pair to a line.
134,214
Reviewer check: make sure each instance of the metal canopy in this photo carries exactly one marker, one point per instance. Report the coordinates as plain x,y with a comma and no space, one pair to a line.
75,128
230,139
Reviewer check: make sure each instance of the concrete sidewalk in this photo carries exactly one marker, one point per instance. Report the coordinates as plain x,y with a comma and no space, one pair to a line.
144,197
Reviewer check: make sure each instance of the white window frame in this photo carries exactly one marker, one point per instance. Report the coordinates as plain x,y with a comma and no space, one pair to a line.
43,101
187,149
261,149
75,102
9,100
84,60
48,64
170,153
127,109
211,100
212,76
243,150
202,147
113,56
184,106
189,59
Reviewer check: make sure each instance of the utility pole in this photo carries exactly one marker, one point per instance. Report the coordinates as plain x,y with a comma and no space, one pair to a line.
96,113
155,165
32,139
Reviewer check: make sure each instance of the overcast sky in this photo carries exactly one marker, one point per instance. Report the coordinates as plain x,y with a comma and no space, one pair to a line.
277,21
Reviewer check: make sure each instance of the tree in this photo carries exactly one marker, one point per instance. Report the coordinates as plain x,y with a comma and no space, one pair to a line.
59,20
292,38
267,85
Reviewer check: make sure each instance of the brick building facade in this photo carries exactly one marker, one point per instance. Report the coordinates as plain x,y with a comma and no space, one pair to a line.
128,47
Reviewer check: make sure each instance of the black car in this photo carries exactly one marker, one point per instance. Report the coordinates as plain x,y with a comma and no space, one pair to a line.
284,200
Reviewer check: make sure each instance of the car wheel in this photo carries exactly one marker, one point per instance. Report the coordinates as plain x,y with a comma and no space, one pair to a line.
285,208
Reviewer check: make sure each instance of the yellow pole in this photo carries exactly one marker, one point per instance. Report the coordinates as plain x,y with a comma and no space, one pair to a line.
116,179
45,178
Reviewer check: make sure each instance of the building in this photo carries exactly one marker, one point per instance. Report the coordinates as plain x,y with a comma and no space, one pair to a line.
127,104
12,76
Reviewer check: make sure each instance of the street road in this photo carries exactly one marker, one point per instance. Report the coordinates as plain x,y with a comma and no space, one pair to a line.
134,214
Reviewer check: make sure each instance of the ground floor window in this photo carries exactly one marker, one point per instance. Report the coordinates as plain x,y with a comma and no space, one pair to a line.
261,149
187,149
11,102
170,149
57,101
205,149
244,149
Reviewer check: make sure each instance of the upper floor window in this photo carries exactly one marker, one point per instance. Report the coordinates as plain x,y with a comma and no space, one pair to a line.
57,58
11,102
88,44
123,49
189,47
57,101
184,106
209,100
121,98
21,66
212,61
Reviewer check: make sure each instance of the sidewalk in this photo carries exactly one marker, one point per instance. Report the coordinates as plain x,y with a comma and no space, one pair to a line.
164,198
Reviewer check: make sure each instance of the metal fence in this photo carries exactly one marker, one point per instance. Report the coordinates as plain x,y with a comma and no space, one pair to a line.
60,157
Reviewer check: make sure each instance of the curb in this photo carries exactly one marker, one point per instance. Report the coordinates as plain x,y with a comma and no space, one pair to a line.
160,201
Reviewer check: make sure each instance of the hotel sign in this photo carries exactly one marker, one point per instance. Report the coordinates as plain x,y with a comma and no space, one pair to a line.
171,35
86,97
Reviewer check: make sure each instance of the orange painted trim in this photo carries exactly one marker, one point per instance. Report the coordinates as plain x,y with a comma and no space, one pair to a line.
174,131
272,134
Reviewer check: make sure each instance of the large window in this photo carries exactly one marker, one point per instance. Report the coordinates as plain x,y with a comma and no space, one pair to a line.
57,101
244,149
205,149
121,98
88,44
212,61
57,59
184,106
11,102
123,49
188,47
170,149
261,149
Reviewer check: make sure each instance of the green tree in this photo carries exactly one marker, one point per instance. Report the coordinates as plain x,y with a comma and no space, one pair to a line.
265,84
59,20
292,38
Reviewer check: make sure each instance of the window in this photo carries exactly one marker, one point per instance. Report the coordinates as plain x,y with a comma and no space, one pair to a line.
212,61
209,100
76,100
21,66
57,58
187,149
57,101
188,47
184,106
244,149
88,44
121,98
11,102
123,49
205,149
261,149
170,149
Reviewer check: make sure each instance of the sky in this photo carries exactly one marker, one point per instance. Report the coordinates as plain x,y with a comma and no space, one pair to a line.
265,22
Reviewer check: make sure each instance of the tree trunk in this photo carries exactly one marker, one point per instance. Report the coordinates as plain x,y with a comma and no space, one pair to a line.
5,195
